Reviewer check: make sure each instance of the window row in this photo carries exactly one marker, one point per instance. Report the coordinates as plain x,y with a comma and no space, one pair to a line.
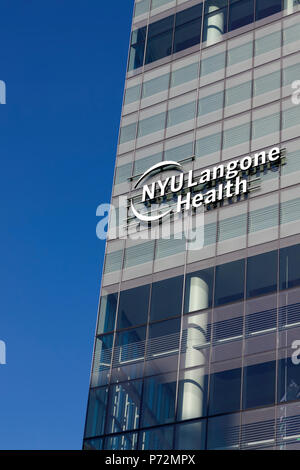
210,65
206,22
184,117
163,399
226,283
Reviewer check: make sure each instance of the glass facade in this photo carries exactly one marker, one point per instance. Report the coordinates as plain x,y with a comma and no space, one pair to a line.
195,347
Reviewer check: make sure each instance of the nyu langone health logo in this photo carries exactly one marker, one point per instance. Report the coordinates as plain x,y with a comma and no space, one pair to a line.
227,181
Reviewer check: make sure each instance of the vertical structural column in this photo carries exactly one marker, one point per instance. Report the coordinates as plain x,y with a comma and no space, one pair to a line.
193,390
215,25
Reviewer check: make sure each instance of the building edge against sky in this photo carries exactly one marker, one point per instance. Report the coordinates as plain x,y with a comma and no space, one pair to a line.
196,348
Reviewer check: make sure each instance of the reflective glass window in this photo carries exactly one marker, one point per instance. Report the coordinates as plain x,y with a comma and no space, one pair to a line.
266,8
225,391
166,298
96,412
123,409
241,13
157,438
107,314
229,282
191,436
259,385
133,307
289,267
187,35
127,441
223,432
159,400
160,35
288,380
262,274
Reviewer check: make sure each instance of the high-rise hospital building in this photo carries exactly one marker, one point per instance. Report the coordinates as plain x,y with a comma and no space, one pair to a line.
198,336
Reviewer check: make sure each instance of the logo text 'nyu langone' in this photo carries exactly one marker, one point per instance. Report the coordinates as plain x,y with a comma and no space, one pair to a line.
226,181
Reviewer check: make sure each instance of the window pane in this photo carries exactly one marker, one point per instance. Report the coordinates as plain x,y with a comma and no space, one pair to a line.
241,13
181,114
179,153
240,53
129,353
229,282
187,35
139,254
144,163
238,93
127,441
289,267
123,173
157,439
265,126
96,412
152,124
259,385
128,133
210,103
191,436
225,391
159,47
223,432
198,290
166,298
129,315
136,56
102,360
185,74
161,26
159,400
107,314
190,14
163,347
268,43
237,135
124,406
262,274
266,83
138,35
207,145
266,8
288,380
213,64
156,85
132,94
192,394
142,7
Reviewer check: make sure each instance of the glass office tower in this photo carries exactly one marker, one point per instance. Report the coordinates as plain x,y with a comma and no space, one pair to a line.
196,348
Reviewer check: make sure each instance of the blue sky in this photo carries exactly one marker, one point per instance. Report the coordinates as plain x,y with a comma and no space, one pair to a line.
64,64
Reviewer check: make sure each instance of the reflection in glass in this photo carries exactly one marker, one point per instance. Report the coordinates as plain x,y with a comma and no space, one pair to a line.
166,298
191,436
157,439
159,400
96,412
123,410
133,307
259,385
289,267
229,282
107,314
225,391
262,274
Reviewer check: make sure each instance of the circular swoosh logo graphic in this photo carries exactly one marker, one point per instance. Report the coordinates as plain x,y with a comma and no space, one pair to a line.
158,168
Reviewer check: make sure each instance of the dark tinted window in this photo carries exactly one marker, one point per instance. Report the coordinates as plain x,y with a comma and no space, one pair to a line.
229,282
288,379
133,307
289,267
262,274
107,315
160,27
159,400
187,35
191,436
223,432
96,412
266,8
166,298
225,391
157,439
259,385
159,47
190,14
241,13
